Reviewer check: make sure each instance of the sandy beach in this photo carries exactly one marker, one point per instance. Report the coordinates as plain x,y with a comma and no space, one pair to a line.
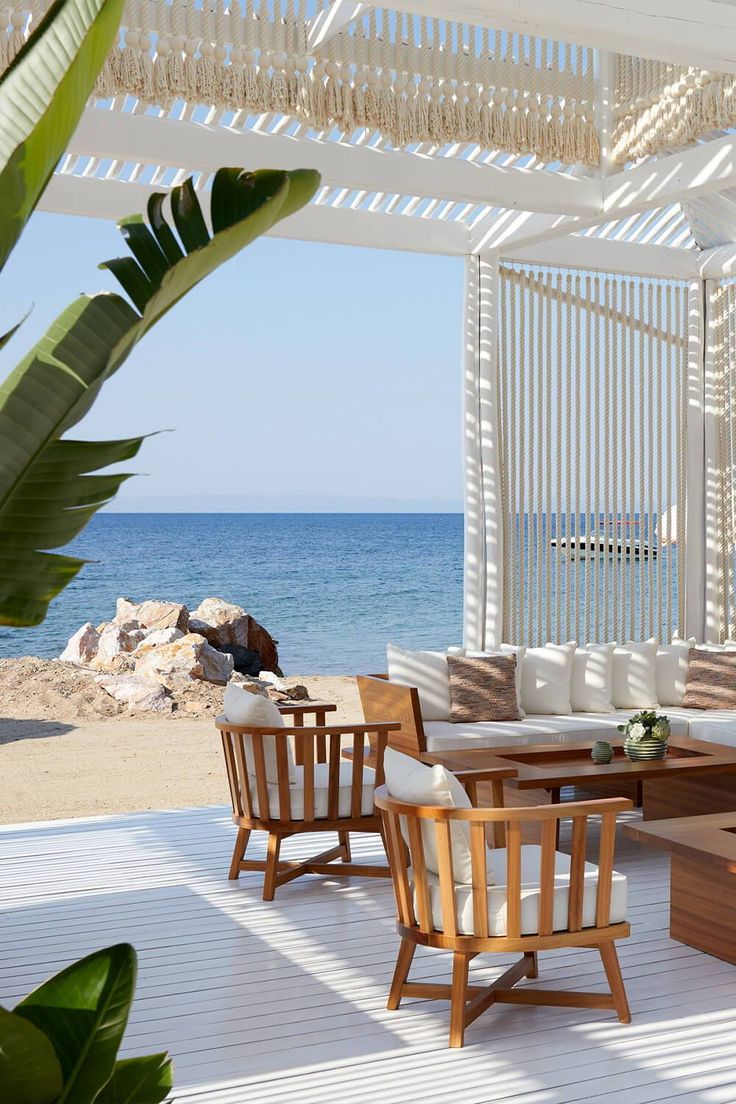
56,763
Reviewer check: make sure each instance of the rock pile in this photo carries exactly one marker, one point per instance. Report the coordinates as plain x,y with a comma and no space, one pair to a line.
151,648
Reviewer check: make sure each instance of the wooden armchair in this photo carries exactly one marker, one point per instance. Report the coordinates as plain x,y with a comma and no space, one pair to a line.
310,789
526,898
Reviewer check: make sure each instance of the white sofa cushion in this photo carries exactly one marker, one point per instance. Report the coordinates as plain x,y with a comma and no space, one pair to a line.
635,675
672,664
591,682
427,671
418,784
573,728
243,708
715,725
321,788
545,679
530,894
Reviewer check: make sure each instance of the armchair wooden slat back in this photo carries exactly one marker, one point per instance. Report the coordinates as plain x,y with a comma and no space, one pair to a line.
292,780
436,908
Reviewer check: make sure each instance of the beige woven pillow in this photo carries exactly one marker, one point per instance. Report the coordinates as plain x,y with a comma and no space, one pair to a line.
711,680
483,688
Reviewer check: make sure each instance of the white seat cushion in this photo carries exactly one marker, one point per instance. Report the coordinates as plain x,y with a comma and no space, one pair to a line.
530,893
321,782
443,736
716,725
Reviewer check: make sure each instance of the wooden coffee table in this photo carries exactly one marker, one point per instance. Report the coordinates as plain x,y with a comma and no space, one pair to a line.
702,878
695,776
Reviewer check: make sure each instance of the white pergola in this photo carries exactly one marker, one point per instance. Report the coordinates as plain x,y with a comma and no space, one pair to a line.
641,92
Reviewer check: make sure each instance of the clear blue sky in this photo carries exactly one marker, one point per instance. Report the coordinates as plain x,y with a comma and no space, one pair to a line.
315,376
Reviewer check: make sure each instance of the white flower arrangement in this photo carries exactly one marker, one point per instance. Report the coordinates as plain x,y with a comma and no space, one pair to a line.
647,725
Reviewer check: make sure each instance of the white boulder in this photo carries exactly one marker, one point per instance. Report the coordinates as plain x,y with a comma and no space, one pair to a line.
220,622
113,642
153,614
189,656
141,695
82,647
152,638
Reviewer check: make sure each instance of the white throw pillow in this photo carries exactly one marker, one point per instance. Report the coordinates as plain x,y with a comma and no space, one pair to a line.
243,708
519,650
635,675
592,676
546,674
428,672
418,784
673,661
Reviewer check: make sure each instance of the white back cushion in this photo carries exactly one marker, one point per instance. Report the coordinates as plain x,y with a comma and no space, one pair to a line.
418,784
546,674
243,708
519,650
635,675
428,672
591,682
672,665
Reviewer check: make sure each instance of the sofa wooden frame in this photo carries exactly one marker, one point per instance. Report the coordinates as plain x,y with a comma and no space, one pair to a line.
319,744
416,926
380,698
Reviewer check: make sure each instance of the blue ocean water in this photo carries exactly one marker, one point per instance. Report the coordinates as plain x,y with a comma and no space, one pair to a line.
332,588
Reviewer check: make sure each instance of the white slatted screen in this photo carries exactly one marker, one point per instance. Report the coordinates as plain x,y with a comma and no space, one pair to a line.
593,406
722,328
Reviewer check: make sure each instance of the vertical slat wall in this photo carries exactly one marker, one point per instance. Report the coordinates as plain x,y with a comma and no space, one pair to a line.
722,329
593,402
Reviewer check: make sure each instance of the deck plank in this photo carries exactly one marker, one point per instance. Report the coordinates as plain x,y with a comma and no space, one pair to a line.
285,1001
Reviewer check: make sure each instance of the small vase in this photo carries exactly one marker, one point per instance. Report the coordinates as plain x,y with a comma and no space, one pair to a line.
602,752
639,751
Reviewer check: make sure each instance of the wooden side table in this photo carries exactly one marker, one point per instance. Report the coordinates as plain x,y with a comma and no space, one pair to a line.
702,878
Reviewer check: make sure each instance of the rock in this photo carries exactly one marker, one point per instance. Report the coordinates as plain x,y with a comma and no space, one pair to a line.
189,656
297,693
154,614
253,685
141,695
82,647
223,623
112,642
245,660
154,637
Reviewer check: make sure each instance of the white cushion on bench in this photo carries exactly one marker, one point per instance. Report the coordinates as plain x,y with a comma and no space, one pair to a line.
321,782
443,736
530,890
716,725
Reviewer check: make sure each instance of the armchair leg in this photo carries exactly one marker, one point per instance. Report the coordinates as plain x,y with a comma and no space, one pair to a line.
611,965
401,973
240,845
344,838
272,866
459,998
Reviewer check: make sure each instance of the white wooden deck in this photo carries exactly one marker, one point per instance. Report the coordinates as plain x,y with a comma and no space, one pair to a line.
286,1001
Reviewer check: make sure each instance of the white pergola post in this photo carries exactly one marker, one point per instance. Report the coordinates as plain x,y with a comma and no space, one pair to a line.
697,486
713,567
483,605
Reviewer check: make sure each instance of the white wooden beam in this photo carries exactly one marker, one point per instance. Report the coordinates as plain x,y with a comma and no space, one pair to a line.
193,146
688,32
708,167
331,20
501,230
607,255
114,199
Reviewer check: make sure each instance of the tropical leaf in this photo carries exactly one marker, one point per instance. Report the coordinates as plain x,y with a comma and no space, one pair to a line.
5,338
83,1011
29,1069
42,95
46,492
147,1080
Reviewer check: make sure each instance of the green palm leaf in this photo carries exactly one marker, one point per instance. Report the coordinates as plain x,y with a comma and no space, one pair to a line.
83,1011
29,1069
46,492
146,1080
42,94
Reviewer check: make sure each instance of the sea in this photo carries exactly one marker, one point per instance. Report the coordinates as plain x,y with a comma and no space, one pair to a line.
331,588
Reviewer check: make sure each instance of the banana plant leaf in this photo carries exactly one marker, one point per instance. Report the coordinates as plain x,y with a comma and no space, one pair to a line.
145,1080
83,1011
42,94
29,1069
46,492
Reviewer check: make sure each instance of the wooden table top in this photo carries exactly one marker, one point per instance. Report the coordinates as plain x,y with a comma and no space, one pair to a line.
709,839
551,766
